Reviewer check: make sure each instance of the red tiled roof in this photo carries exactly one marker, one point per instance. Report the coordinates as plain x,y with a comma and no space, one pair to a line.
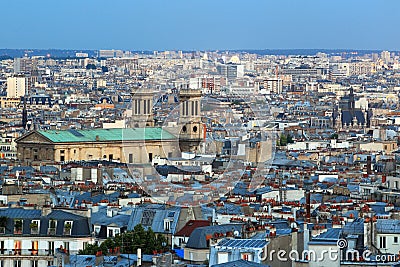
190,226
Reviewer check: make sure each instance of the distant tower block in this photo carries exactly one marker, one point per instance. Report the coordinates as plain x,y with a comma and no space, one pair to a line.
192,129
142,108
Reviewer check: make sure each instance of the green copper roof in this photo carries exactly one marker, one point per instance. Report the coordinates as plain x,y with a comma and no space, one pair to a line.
129,134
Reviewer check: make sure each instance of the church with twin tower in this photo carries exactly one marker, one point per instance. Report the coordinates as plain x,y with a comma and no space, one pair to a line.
139,143
190,130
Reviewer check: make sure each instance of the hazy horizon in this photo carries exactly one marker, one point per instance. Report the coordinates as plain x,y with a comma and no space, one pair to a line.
200,25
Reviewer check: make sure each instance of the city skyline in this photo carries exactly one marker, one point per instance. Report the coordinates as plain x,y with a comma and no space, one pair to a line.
205,25
172,156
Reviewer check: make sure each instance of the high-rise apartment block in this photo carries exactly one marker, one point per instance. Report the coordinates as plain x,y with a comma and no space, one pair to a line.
385,55
273,86
24,65
16,87
231,71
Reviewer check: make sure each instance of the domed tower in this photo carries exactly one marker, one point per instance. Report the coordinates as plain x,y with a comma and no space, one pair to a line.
142,108
192,130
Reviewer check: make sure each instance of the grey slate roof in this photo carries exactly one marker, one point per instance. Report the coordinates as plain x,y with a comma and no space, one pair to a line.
347,116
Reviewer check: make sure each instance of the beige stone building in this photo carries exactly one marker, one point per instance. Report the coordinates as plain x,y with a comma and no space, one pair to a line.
9,102
138,145
386,146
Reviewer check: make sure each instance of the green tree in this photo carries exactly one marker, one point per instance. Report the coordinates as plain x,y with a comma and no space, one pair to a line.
129,242
108,244
161,242
139,237
283,140
150,241
91,249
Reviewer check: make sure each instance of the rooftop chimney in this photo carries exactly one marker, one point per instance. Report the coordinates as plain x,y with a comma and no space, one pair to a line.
307,188
369,167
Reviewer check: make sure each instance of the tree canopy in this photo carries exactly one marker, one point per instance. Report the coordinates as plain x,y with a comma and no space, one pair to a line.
285,139
129,242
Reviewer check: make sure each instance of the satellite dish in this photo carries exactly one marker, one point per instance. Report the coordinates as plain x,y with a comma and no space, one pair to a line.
236,233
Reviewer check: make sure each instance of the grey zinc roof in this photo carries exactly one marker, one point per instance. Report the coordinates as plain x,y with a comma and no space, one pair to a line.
153,215
379,207
100,218
388,226
18,213
240,263
333,234
95,199
243,243
82,260
80,225
63,215
229,208
198,237
355,227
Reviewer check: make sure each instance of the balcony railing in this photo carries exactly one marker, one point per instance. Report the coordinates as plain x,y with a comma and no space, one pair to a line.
45,254
17,231
67,231
52,231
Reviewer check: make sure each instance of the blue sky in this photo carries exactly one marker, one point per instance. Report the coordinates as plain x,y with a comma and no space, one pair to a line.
200,25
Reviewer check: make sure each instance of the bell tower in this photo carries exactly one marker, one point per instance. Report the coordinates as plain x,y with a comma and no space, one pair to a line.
191,127
142,108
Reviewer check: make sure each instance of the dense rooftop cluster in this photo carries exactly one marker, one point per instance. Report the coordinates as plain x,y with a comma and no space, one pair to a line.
293,153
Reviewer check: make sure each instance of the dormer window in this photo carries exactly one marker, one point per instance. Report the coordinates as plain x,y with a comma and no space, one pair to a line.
34,227
52,227
113,231
67,227
167,225
18,226
97,230
3,224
